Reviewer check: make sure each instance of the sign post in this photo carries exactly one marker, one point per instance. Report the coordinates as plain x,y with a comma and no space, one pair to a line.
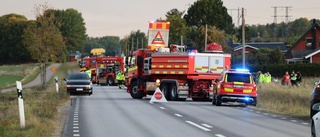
21,106
57,85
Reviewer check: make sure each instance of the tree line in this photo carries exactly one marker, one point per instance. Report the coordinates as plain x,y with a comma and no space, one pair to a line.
56,33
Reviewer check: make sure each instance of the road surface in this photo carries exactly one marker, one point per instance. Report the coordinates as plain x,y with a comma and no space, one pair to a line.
112,112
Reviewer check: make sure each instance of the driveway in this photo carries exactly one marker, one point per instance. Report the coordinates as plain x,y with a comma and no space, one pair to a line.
36,81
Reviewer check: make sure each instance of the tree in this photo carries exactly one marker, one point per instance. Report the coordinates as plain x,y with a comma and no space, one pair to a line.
72,28
11,29
209,12
177,26
43,39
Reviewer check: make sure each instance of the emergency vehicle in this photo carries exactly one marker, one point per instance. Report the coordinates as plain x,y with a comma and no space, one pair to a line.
236,85
181,74
107,68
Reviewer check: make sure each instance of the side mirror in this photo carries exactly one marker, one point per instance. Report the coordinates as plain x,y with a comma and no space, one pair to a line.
316,107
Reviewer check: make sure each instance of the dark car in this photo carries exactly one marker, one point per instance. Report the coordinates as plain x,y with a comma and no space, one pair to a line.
315,98
79,82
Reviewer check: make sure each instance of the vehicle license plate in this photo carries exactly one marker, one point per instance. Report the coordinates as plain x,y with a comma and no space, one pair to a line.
79,89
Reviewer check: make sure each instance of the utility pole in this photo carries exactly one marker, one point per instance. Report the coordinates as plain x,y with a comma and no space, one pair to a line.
275,16
181,40
243,40
238,16
205,39
142,44
137,43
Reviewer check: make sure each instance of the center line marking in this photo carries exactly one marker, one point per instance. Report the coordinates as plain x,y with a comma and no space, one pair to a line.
76,135
178,115
75,130
198,126
206,125
162,108
219,135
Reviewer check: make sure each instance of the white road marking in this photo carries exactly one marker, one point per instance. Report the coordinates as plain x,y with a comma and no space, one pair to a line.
258,112
75,116
266,114
76,112
283,118
178,115
305,123
75,127
75,121
293,120
198,126
219,135
76,135
251,110
206,125
75,130
274,115
162,108
75,124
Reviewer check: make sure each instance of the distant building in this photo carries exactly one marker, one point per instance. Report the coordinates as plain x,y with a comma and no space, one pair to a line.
307,48
237,47
74,56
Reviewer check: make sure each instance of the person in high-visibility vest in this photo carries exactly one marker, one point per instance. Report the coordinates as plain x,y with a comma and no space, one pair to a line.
88,71
119,78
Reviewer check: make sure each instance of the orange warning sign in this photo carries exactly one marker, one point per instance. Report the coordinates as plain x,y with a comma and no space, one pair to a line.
158,39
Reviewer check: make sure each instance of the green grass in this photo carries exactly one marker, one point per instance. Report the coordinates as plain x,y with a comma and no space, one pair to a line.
6,80
41,109
286,100
24,73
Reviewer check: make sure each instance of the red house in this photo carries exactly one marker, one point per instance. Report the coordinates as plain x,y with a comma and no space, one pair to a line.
307,48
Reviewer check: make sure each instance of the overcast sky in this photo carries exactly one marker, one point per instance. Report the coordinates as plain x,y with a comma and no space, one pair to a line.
120,17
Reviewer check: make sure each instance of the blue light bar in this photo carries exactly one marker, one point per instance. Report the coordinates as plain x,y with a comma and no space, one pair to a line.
241,70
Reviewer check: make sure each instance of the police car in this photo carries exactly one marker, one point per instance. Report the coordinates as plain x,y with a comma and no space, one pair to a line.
236,85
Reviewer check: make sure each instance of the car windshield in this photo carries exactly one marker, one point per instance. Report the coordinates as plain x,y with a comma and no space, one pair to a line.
234,77
78,76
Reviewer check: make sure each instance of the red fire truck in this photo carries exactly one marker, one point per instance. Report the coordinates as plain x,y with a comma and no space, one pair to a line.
107,67
182,74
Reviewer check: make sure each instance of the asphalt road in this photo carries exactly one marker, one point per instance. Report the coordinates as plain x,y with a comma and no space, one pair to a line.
112,112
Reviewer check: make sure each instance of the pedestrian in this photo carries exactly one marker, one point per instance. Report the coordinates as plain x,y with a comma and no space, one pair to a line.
119,78
267,77
293,78
299,78
261,78
286,79
88,71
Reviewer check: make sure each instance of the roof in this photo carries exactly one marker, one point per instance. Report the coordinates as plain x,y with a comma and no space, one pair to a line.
77,53
240,47
300,53
310,54
256,45
301,38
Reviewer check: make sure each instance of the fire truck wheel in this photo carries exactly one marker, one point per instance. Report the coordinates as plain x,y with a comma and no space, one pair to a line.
173,92
134,91
110,81
164,90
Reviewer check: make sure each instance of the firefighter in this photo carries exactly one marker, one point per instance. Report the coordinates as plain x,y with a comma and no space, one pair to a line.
119,78
88,71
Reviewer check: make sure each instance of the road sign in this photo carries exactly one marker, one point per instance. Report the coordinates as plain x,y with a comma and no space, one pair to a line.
158,39
158,97
53,69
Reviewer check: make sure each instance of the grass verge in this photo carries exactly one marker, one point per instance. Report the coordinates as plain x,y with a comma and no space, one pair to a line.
41,106
286,100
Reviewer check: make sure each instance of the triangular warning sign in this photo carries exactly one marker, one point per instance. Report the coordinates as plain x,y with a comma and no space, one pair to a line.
158,39
158,97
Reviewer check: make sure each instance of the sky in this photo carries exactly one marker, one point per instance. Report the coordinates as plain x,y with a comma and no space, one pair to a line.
120,17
